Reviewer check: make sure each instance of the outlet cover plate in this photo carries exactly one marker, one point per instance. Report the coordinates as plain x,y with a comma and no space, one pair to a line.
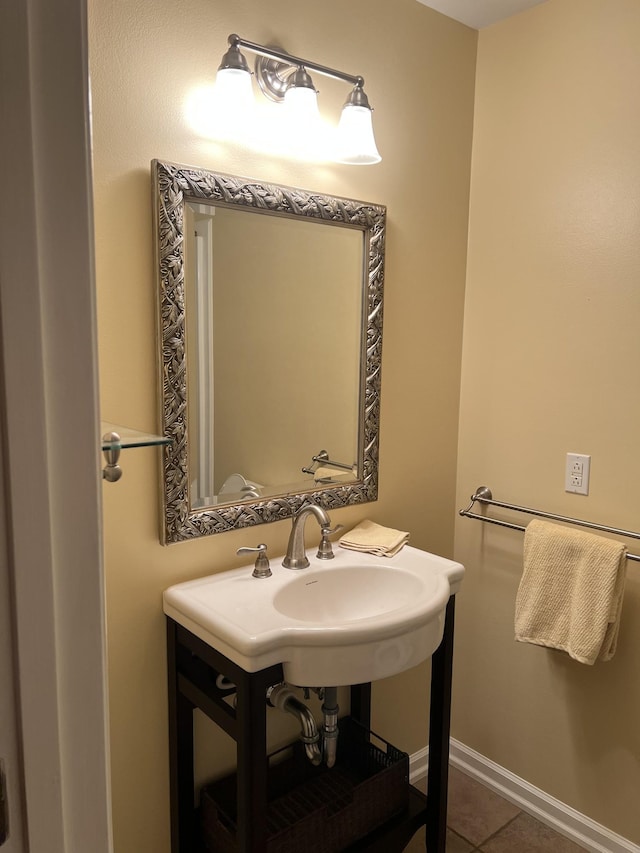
577,472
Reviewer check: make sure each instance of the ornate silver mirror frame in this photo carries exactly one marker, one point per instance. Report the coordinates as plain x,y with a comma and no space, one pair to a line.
173,186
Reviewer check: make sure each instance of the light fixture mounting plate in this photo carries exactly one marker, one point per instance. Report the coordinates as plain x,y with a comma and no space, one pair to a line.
273,76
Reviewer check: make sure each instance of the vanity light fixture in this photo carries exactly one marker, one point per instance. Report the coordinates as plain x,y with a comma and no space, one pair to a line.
285,78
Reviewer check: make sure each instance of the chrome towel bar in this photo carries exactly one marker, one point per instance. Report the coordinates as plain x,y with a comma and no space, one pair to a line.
323,459
484,496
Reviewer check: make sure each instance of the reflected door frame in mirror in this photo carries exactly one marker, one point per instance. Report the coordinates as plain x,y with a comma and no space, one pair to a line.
173,187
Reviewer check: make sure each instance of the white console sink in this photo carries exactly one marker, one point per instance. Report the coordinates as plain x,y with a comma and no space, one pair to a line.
350,620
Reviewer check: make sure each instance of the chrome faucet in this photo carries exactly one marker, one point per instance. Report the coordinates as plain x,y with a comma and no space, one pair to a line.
295,557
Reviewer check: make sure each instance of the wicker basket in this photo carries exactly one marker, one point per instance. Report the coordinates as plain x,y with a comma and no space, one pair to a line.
314,809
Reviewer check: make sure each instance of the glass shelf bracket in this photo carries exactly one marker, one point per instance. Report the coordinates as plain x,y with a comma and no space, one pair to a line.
116,438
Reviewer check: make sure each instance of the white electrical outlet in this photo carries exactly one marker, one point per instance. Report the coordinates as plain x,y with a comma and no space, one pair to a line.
576,478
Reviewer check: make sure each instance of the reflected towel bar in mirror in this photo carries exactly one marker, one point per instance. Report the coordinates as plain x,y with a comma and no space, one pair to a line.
484,496
322,459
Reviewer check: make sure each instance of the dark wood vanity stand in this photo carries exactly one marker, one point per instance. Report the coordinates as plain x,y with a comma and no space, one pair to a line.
193,667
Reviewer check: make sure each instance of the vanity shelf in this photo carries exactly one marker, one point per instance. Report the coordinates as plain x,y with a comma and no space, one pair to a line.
194,670
116,438
315,808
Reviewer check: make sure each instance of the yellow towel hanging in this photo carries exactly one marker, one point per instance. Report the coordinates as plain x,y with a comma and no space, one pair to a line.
570,594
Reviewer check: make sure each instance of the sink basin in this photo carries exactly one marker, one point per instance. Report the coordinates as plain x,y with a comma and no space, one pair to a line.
349,593
350,620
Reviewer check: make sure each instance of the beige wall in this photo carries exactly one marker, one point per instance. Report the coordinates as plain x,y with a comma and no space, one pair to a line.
146,56
550,365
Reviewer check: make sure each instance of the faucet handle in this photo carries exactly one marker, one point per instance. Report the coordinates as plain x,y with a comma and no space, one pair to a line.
325,551
261,568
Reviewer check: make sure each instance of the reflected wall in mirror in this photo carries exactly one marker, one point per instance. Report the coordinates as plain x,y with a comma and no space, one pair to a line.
272,350
271,334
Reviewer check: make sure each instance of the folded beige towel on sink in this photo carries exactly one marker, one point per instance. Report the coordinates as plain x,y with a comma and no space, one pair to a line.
373,538
570,594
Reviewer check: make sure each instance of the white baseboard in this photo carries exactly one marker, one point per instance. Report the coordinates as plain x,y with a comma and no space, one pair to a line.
418,764
567,821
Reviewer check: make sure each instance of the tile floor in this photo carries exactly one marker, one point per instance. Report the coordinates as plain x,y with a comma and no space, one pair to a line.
480,820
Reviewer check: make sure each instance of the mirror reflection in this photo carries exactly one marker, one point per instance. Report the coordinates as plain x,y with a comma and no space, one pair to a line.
270,310
273,352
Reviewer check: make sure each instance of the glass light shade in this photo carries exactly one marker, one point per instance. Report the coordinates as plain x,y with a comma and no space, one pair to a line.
301,104
355,143
303,134
233,104
233,89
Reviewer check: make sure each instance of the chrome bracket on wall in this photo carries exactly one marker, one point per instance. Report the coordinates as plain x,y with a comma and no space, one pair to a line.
112,471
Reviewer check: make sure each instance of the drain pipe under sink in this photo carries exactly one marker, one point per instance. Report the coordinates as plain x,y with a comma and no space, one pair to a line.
330,728
282,697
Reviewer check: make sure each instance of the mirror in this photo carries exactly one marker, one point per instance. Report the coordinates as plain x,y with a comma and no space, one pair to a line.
270,326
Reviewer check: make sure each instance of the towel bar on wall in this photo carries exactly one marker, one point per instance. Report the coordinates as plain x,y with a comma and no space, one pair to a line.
483,496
